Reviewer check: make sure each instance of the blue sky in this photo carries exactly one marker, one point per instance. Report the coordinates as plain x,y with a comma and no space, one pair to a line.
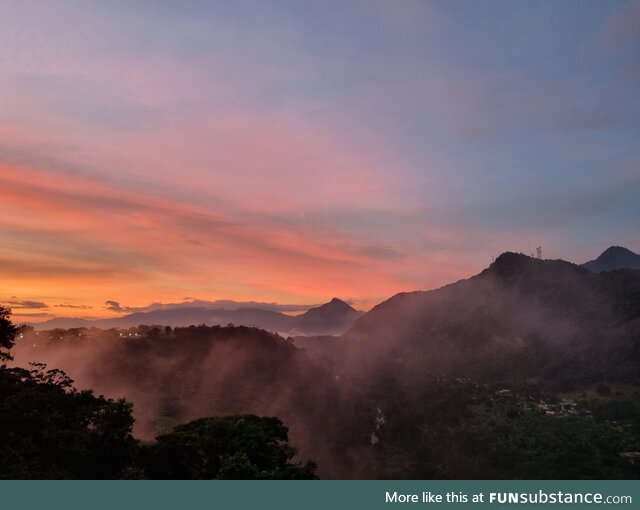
298,150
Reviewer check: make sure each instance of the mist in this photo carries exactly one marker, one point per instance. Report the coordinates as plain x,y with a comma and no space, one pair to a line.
173,376
409,372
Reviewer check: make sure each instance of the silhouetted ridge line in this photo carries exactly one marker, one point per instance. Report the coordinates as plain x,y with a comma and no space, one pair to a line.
614,257
332,318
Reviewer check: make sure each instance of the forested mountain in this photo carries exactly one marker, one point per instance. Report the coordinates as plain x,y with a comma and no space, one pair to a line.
614,257
520,318
332,318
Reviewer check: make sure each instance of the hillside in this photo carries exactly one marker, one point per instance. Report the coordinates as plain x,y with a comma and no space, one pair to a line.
521,317
614,257
332,318
175,375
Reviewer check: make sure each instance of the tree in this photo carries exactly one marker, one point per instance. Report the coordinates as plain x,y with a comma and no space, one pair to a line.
7,334
226,447
50,430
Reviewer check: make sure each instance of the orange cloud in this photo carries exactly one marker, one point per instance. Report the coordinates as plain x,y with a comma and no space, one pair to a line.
70,238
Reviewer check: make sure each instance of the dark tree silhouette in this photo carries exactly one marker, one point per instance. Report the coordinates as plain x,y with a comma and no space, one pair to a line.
7,334
51,430
226,447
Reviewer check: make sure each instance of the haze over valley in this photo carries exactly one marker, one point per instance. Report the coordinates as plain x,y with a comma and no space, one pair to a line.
538,338
339,239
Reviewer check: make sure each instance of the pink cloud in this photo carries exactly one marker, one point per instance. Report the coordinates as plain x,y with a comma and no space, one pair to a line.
78,235
622,27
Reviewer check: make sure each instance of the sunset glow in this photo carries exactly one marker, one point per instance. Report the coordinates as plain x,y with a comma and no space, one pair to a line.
204,150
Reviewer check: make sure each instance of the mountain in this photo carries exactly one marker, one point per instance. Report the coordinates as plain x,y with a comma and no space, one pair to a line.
332,318
614,257
520,318
64,323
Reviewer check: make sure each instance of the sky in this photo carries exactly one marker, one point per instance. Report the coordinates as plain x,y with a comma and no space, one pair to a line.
290,152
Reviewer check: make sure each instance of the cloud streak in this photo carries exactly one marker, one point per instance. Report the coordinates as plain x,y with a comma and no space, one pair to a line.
290,155
27,304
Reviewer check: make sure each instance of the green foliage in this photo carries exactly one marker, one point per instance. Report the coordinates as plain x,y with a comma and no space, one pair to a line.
51,431
7,334
456,428
614,409
225,447
501,440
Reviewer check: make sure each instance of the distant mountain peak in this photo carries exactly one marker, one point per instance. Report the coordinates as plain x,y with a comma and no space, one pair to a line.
509,263
336,315
616,250
331,318
518,267
337,303
335,306
614,257
510,257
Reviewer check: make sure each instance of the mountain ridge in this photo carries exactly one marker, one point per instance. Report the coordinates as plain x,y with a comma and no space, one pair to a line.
614,257
520,317
334,317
